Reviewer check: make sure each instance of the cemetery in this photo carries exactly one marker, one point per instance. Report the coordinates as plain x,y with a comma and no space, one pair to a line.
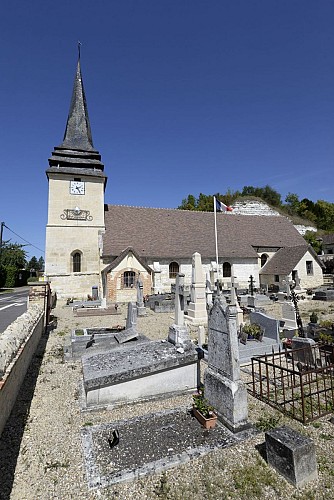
137,390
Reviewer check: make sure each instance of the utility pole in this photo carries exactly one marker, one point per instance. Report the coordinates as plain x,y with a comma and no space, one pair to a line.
1,233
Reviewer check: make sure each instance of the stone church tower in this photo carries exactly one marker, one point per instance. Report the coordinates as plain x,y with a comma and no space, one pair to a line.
75,205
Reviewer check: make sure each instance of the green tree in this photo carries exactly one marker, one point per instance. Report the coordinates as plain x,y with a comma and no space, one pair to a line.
12,260
266,193
33,264
292,203
314,239
12,254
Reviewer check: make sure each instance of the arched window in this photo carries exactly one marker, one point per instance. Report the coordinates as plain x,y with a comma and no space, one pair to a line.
76,262
129,279
226,270
264,259
173,270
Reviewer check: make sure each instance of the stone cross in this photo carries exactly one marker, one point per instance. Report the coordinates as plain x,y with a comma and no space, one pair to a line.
251,284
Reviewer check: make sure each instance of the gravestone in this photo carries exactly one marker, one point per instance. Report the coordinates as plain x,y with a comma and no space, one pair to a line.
141,311
292,455
178,333
234,302
208,291
201,335
197,312
131,320
223,387
305,354
289,316
130,331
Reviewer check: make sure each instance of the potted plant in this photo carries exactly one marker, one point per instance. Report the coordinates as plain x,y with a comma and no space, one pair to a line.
203,411
254,331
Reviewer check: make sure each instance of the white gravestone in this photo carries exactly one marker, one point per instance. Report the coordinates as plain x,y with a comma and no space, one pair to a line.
178,333
223,387
197,313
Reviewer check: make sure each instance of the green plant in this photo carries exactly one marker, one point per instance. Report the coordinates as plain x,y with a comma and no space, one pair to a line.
202,405
313,317
267,422
326,323
162,489
324,337
252,329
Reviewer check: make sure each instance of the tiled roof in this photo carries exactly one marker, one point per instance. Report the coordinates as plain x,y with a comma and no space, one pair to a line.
171,233
121,256
285,260
328,239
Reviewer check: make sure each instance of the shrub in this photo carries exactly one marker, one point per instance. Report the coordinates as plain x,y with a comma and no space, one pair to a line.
314,318
11,276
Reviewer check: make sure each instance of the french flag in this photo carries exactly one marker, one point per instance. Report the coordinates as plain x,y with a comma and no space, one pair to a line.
221,207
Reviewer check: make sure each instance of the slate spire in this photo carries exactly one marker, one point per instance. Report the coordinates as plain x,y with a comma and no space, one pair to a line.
76,154
78,133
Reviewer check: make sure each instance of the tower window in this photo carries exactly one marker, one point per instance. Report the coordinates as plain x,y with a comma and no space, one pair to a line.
76,262
173,270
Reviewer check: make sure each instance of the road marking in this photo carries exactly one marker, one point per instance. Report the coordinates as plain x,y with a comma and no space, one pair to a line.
11,305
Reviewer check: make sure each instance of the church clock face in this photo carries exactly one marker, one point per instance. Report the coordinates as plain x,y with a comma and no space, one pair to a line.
77,187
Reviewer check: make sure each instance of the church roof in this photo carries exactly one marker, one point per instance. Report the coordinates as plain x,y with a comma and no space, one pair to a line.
172,233
77,149
285,260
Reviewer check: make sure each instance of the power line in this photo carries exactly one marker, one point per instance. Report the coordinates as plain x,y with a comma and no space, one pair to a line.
23,238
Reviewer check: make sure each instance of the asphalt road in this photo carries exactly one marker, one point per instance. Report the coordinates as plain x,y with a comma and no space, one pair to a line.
12,304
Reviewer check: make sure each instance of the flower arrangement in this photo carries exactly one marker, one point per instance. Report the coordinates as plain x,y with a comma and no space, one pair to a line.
202,405
253,330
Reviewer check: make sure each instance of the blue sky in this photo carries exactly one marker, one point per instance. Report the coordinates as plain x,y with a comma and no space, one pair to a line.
183,97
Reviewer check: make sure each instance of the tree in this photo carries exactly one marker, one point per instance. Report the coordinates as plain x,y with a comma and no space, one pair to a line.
41,264
12,260
314,239
12,254
33,264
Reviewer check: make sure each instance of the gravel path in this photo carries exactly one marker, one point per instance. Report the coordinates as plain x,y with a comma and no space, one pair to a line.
41,452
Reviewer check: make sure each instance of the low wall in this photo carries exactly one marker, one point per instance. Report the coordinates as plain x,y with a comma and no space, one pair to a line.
18,344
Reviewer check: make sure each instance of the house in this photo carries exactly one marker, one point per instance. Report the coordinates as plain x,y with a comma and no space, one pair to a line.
90,244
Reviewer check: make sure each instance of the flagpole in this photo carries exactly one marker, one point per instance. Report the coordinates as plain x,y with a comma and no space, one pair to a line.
216,240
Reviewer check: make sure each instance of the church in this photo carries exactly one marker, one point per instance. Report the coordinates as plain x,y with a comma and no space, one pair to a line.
93,245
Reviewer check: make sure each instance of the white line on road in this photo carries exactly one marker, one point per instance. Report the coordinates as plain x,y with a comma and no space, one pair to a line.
10,305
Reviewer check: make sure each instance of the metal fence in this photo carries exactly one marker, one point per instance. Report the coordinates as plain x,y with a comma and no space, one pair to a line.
298,382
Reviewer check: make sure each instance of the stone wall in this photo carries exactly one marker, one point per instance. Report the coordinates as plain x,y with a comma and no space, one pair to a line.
18,344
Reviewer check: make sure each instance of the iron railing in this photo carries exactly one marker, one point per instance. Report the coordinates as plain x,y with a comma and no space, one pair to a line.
298,382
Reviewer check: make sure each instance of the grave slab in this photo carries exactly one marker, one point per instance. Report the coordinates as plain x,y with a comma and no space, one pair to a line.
292,455
148,444
133,372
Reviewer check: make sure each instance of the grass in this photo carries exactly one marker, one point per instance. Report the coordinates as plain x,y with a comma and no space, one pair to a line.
267,422
55,465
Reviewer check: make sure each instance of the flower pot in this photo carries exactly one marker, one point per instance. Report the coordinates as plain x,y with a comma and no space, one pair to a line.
208,423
